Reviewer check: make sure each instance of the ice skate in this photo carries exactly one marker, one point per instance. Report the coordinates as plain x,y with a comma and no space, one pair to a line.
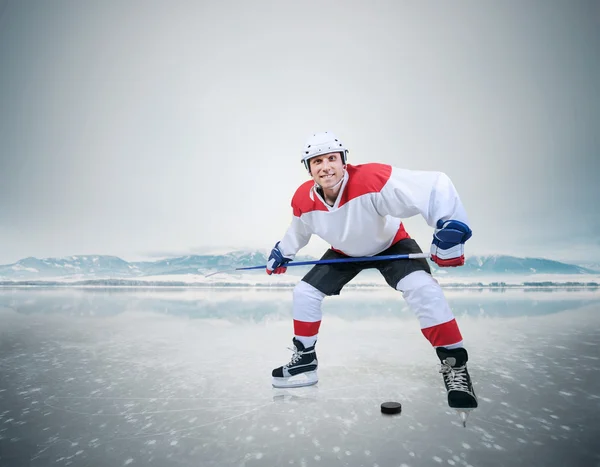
461,395
300,371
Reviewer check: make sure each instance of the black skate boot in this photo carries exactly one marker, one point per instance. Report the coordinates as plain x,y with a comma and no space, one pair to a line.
461,395
302,369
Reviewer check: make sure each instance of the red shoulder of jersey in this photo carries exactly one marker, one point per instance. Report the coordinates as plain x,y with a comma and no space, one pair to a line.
303,202
364,179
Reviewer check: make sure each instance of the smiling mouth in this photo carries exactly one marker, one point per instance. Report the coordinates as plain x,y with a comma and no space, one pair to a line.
327,176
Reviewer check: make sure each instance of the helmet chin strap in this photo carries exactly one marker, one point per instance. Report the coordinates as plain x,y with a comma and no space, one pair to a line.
337,184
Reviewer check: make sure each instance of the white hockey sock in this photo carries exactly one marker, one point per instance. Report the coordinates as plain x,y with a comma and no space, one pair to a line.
426,299
307,341
306,311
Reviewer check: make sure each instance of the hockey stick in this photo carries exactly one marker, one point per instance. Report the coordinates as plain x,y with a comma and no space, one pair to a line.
334,261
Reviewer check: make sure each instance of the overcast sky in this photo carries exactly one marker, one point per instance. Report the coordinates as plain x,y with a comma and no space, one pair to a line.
149,128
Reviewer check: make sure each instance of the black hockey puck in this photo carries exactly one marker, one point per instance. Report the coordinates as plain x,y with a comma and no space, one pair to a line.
391,408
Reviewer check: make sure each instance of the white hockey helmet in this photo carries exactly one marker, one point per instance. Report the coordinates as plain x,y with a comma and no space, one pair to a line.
322,143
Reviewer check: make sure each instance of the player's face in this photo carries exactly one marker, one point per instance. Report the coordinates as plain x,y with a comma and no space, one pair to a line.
327,170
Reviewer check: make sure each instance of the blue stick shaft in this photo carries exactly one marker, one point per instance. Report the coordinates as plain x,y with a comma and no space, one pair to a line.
346,260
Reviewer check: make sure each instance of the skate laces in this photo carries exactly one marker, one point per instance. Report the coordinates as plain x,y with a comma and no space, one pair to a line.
295,357
456,377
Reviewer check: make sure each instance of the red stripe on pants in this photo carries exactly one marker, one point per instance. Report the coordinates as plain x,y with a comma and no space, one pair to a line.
306,329
443,334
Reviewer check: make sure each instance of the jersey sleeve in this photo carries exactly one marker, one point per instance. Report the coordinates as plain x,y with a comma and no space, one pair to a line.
428,193
296,238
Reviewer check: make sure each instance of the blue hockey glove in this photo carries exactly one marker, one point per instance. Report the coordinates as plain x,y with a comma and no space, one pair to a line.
276,263
448,246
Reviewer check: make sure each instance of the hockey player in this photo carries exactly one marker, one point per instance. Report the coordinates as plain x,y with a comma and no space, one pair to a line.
358,211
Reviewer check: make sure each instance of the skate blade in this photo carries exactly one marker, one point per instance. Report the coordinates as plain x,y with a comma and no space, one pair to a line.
464,415
304,379
304,395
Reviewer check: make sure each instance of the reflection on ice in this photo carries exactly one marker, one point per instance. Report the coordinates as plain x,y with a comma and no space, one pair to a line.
265,304
183,378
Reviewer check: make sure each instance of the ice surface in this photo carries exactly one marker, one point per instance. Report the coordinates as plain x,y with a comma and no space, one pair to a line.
182,377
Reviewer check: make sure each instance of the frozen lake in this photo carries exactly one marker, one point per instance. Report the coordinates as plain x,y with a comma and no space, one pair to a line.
181,377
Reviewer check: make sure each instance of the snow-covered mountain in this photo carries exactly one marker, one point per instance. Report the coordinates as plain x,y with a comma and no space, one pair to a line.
504,265
101,266
593,265
90,267
202,264
87,266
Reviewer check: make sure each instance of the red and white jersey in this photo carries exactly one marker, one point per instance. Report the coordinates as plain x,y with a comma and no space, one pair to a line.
367,215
